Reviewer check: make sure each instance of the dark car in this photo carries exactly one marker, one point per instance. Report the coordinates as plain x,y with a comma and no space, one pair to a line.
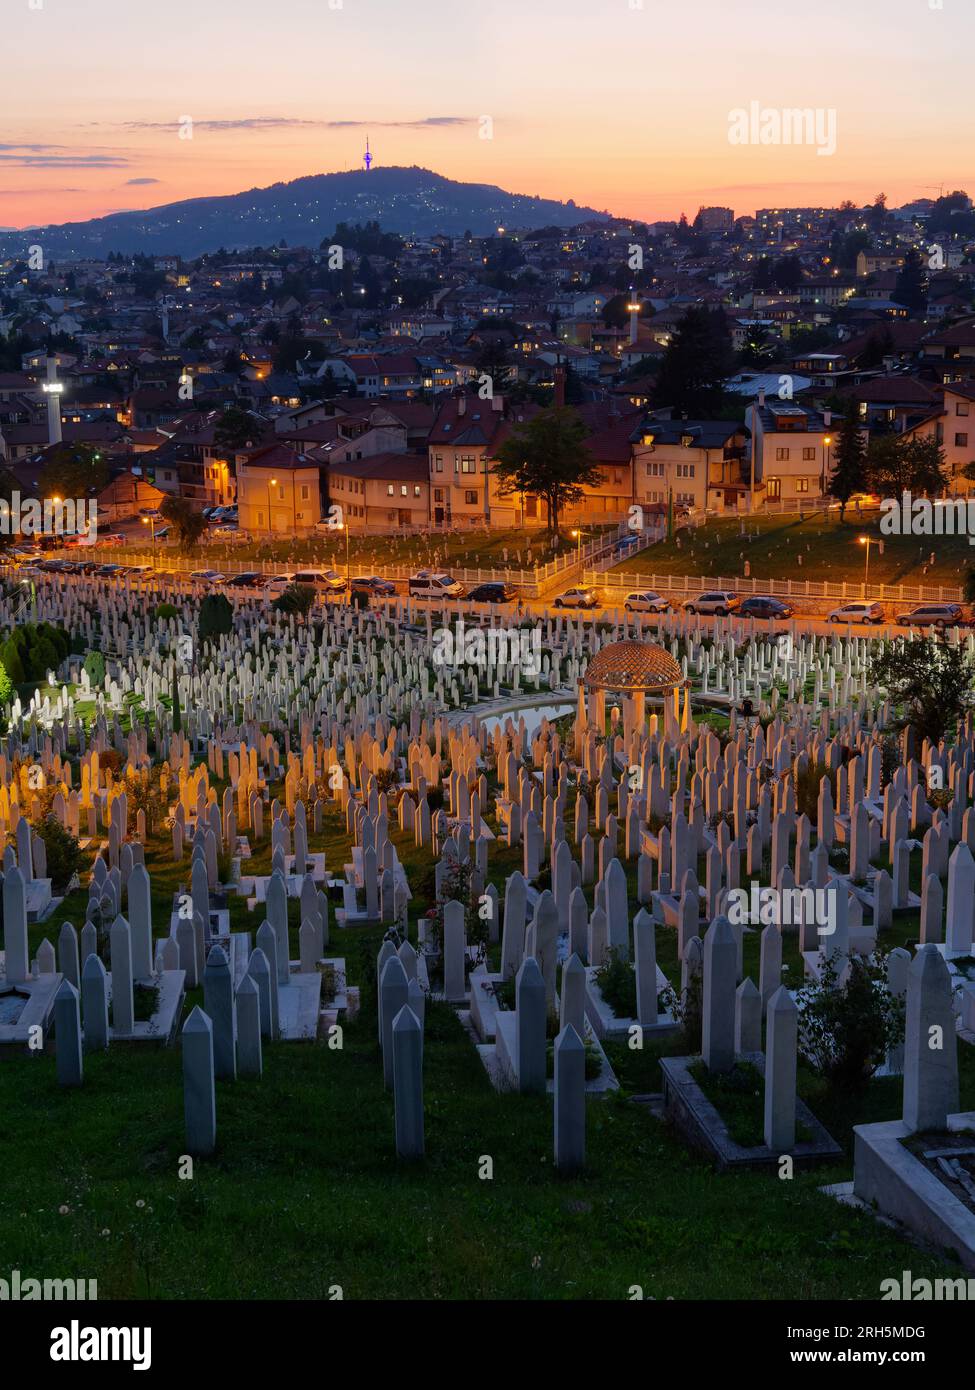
251,580
493,592
109,570
764,606
372,584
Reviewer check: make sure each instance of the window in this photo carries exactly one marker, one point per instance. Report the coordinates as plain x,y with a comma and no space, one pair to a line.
961,407
437,494
685,470
655,470
416,489
781,455
390,490
774,489
470,498
468,464
808,454
802,485
961,440
305,492
438,463
404,490
280,494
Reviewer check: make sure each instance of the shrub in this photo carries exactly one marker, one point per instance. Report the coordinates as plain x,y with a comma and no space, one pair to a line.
164,611
12,662
846,1029
6,685
95,666
216,617
64,855
616,979
297,598
110,758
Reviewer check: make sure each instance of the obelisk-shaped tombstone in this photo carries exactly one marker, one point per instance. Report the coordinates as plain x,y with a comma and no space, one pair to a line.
570,1101
720,984
406,1046
930,1044
199,1091
218,1002
67,1035
782,1032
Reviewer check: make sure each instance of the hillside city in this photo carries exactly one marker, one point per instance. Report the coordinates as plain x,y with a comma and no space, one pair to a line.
381,373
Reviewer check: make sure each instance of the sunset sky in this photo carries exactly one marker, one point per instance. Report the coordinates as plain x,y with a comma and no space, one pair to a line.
621,108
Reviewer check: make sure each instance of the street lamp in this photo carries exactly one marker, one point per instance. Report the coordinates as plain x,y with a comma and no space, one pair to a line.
348,569
867,541
270,529
150,521
827,441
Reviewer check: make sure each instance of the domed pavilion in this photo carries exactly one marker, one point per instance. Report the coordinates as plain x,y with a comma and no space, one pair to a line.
633,670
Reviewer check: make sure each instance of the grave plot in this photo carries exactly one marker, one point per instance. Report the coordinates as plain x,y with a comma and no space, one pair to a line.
565,884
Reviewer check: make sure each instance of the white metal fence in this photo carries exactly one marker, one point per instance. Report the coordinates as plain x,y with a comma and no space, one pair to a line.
778,588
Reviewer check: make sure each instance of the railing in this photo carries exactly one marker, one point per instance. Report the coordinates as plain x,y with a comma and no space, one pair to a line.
778,588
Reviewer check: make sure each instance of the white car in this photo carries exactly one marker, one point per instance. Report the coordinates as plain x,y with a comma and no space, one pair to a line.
435,584
646,601
578,598
720,602
277,584
857,613
328,580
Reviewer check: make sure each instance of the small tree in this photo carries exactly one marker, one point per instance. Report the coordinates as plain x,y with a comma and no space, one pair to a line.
849,474
548,458
188,523
216,617
297,598
847,1029
929,680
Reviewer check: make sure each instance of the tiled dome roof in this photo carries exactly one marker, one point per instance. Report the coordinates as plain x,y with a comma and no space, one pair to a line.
633,666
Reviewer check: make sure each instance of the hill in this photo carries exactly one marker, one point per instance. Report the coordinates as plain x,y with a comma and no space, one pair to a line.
410,201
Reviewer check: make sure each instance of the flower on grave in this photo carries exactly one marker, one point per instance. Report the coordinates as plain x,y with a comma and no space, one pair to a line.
140,1203
106,1232
63,1210
536,1261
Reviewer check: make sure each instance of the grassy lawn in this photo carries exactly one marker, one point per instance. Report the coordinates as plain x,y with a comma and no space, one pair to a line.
496,549
304,1192
787,547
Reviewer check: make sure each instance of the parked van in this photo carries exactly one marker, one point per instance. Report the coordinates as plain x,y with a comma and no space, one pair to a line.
435,584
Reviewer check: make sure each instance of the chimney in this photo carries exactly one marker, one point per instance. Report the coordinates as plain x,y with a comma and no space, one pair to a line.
497,402
461,405
827,418
560,385
761,398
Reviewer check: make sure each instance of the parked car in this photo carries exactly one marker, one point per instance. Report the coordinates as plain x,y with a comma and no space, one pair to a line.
225,531
372,584
857,613
109,571
207,577
933,615
435,584
113,538
494,591
578,598
277,584
327,581
764,606
646,601
252,579
720,602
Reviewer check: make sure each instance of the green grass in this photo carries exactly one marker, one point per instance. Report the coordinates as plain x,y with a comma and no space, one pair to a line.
773,547
304,1191
461,549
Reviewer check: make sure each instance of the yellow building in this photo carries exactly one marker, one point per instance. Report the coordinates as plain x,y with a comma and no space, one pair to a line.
278,492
